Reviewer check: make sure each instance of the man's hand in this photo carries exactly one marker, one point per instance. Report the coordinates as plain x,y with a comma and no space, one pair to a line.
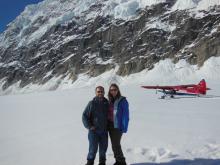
92,128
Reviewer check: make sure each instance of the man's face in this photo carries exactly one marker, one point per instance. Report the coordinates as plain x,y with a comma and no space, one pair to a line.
100,92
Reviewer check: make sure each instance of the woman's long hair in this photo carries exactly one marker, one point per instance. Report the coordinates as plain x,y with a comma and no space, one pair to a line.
110,97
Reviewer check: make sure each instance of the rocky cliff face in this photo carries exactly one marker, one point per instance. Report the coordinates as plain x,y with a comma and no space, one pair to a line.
33,51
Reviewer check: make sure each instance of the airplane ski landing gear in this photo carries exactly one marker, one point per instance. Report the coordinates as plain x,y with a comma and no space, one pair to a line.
164,94
167,96
163,97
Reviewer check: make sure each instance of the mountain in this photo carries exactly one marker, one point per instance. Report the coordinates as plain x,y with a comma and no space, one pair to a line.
65,38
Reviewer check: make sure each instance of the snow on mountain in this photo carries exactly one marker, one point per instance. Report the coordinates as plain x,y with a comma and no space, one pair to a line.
206,4
186,4
55,42
125,9
53,12
165,72
195,4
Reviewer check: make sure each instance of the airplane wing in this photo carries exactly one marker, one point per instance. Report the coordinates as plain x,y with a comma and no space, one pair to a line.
176,88
159,87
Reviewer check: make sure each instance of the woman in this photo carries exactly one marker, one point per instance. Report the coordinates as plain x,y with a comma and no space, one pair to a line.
118,117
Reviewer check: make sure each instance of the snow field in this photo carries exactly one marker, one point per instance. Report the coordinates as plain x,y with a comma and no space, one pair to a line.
46,128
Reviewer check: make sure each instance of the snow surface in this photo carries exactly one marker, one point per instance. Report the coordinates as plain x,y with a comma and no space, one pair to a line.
46,128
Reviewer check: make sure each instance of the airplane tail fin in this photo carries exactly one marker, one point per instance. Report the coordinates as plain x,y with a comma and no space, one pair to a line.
202,87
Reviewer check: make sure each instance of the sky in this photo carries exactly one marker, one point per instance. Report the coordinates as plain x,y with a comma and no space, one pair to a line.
10,9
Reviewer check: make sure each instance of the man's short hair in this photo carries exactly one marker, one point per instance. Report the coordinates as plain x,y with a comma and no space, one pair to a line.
100,87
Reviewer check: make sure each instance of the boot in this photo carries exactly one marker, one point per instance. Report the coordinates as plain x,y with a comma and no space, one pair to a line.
120,163
116,163
123,163
90,162
102,161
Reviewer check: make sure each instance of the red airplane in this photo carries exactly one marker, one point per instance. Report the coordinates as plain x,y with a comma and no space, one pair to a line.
190,89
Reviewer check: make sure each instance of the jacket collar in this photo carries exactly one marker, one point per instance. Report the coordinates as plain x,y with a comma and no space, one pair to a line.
96,98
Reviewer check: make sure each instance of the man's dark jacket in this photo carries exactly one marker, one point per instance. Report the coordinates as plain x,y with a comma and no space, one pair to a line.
96,114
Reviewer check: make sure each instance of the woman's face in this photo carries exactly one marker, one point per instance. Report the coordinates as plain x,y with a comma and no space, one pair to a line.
113,91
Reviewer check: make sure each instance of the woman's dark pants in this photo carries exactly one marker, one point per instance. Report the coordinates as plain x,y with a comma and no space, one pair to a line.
115,136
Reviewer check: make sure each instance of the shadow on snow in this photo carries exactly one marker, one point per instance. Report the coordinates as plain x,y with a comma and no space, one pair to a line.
186,162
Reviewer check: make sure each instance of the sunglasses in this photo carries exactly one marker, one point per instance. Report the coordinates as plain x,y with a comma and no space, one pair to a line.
100,91
114,89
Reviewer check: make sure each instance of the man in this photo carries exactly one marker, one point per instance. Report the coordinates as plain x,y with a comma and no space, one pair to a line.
95,120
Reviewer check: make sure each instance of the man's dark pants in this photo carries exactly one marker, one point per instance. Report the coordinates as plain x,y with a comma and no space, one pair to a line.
97,139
